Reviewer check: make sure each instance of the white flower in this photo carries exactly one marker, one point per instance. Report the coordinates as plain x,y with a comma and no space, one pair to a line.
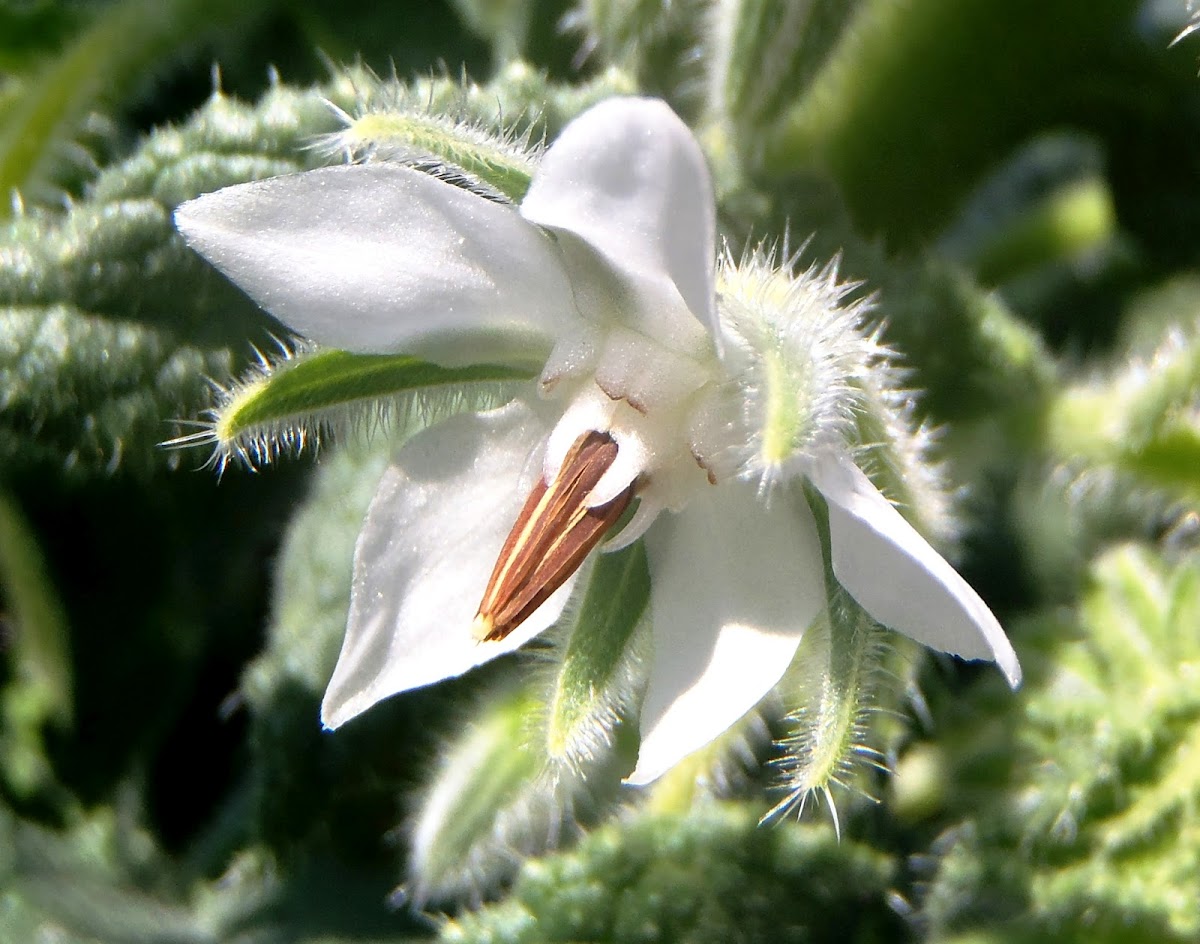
603,279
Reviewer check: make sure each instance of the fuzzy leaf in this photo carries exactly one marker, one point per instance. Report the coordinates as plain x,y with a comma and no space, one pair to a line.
972,356
1103,841
710,876
89,394
102,881
1139,419
109,326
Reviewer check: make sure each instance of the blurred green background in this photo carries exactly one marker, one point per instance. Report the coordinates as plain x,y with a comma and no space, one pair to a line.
1019,181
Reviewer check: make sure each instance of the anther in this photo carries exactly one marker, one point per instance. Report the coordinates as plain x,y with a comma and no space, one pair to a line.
553,534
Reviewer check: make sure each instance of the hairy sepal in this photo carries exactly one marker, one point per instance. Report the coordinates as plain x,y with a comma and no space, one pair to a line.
831,692
393,122
290,405
833,688
600,668
489,803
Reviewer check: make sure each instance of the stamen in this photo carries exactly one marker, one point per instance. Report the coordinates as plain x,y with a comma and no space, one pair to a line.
553,534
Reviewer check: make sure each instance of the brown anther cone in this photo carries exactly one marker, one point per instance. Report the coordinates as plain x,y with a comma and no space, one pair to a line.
553,534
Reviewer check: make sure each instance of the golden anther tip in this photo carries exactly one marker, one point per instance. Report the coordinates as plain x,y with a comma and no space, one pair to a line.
482,627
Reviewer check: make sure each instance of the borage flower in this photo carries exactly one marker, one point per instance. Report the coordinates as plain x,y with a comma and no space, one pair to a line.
658,414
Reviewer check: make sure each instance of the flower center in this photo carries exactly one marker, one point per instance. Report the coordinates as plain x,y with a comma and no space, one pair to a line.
626,430
553,534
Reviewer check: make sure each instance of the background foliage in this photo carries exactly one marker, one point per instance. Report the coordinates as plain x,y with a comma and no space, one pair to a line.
1019,183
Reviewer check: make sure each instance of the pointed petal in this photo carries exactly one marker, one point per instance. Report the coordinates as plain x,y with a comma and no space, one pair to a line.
380,258
897,577
629,179
734,585
432,535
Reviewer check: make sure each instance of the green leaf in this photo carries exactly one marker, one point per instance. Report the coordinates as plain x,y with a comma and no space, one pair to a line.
92,882
31,29
109,326
1083,810
113,52
1139,419
709,876
39,644
896,85
39,690
103,881
87,394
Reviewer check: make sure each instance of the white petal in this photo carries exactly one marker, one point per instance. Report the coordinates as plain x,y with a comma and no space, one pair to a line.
897,577
629,179
383,258
432,535
734,585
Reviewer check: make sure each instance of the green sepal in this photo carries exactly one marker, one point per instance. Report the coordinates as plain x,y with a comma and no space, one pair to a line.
975,359
537,755
599,676
469,134
311,394
830,692
521,99
417,134
492,798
